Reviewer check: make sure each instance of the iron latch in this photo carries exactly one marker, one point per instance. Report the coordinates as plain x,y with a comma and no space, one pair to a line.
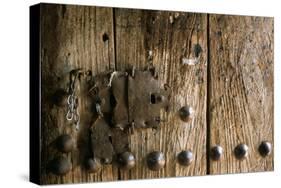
123,102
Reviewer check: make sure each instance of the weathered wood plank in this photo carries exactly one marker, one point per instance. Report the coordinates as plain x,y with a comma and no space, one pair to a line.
163,39
240,85
240,90
72,37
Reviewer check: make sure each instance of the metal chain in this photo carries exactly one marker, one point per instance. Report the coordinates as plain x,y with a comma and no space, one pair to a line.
72,101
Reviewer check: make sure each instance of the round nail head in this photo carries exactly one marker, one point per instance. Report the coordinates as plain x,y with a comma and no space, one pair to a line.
60,166
186,113
265,148
216,153
241,151
155,160
126,160
93,165
64,143
185,158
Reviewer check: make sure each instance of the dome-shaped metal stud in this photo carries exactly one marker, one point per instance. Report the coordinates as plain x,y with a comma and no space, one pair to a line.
185,158
241,151
216,153
60,166
64,143
93,165
126,160
186,113
265,148
155,160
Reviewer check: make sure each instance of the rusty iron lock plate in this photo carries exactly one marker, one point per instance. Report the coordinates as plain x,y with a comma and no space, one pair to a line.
123,102
100,139
119,86
146,98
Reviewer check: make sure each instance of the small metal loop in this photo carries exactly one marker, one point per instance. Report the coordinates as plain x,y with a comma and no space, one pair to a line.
69,115
98,109
111,78
76,117
75,103
70,99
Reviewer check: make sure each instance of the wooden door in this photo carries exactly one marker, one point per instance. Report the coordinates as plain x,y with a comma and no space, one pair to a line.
221,66
240,90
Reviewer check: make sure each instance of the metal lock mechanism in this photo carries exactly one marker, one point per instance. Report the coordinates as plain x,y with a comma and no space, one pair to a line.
124,102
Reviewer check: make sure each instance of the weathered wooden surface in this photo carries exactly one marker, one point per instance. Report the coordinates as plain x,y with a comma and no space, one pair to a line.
72,37
163,39
232,95
240,90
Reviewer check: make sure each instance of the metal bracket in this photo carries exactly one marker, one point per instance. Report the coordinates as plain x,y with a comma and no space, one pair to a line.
146,98
123,102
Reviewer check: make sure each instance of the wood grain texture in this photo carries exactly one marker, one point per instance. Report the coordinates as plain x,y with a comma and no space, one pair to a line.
232,95
163,39
72,37
240,90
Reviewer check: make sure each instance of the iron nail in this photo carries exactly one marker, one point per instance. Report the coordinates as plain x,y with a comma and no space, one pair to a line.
93,165
60,165
216,153
126,160
241,151
155,160
185,157
265,148
186,113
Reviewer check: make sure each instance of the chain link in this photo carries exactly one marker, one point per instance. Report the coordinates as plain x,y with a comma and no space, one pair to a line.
72,101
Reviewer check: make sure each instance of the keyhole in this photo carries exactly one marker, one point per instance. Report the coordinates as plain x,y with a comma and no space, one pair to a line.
152,99
105,37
